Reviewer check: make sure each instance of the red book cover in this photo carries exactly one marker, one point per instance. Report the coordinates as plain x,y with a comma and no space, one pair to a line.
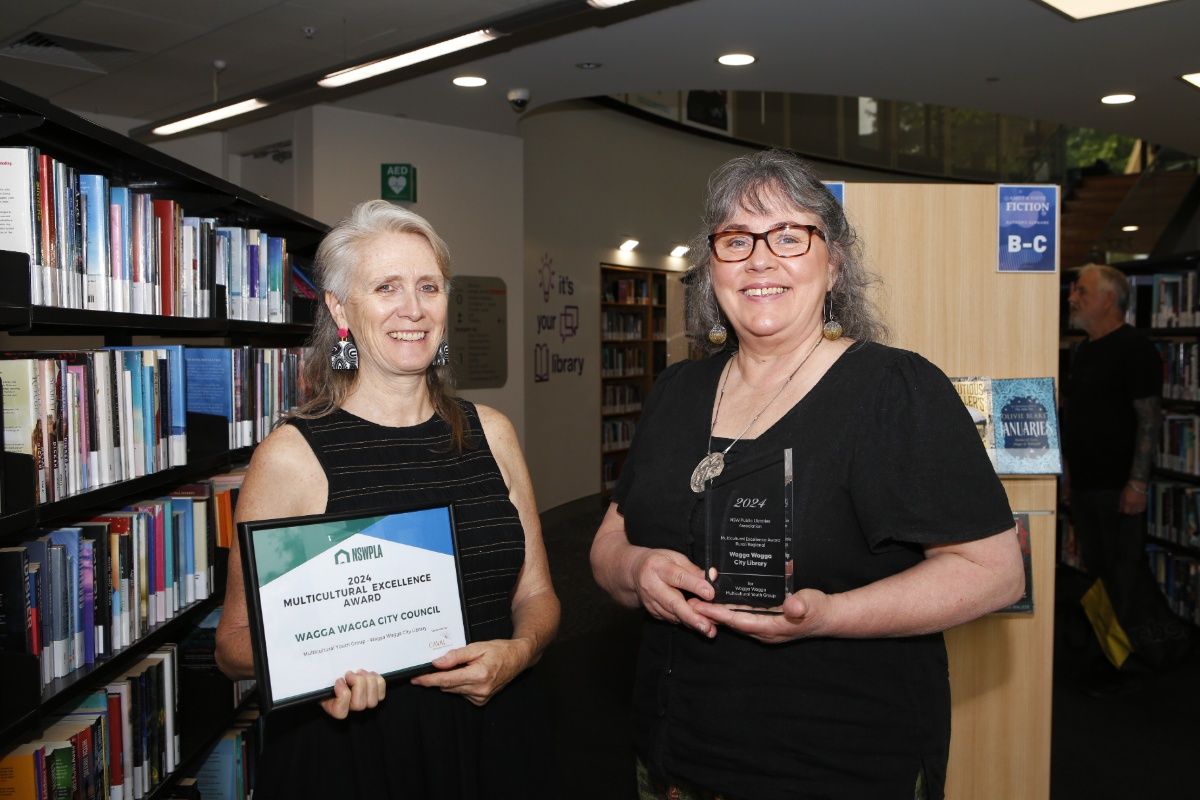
116,741
165,213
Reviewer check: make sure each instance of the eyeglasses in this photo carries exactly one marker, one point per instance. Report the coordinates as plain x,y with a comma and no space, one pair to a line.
785,241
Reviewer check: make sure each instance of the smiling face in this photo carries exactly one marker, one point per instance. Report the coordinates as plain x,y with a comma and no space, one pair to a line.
396,305
768,298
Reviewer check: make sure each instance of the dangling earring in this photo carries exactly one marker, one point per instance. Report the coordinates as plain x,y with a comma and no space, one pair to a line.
344,355
833,329
442,358
717,333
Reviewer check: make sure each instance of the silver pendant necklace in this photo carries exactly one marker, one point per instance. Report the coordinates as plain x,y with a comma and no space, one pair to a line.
713,463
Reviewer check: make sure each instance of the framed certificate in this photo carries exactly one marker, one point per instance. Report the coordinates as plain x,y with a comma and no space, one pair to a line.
338,592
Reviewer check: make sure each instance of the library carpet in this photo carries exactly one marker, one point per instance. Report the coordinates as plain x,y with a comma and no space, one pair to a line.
1139,742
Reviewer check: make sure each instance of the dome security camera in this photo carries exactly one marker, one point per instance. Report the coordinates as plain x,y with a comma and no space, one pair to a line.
518,99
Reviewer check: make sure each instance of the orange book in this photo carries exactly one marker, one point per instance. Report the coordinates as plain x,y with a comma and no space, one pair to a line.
19,773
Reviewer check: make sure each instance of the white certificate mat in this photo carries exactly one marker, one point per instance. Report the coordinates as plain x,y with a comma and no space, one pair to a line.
333,593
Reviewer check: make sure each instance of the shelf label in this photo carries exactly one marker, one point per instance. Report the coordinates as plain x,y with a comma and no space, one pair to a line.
1028,228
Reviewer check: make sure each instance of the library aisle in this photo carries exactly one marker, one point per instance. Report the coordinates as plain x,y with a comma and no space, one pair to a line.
1135,745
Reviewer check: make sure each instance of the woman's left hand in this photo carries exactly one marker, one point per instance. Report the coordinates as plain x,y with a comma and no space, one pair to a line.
478,670
803,613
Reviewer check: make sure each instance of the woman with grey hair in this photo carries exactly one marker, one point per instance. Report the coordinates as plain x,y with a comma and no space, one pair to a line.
900,526
381,429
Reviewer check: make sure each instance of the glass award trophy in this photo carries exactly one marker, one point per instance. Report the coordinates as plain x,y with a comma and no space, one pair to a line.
748,531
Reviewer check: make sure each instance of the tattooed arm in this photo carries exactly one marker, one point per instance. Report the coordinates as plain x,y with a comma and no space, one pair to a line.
1149,418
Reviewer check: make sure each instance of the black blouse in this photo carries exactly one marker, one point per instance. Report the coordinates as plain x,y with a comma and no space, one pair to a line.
886,460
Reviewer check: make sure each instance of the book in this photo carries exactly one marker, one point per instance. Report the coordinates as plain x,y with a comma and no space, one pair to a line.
97,535
976,394
16,624
69,539
22,773
120,246
1017,420
97,254
1024,605
19,210
1026,426
23,433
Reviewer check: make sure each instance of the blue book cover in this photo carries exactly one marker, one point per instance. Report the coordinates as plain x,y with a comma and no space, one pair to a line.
274,279
215,776
150,417
176,398
121,246
1025,423
253,265
87,598
185,527
209,381
93,190
237,270
69,539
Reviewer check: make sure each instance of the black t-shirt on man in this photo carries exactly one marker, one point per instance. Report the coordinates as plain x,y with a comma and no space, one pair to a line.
1099,421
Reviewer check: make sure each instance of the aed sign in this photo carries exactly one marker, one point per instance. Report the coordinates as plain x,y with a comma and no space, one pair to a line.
1028,228
398,182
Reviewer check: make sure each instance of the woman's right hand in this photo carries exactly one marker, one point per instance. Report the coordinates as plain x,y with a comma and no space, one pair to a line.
660,578
355,691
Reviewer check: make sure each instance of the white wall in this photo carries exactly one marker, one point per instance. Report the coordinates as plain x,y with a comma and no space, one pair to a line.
469,186
592,178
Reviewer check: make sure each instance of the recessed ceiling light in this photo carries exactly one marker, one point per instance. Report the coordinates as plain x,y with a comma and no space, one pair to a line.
680,251
607,3
736,59
1192,78
209,116
1117,99
589,65
470,81
1129,228
628,245
1083,9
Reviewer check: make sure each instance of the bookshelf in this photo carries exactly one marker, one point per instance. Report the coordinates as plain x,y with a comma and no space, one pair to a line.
29,121
1165,305
633,351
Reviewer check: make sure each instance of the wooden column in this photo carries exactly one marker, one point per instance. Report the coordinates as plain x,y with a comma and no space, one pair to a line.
935,248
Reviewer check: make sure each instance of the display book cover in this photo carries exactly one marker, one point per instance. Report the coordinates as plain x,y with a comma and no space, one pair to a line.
1017,421
280,555
1023,604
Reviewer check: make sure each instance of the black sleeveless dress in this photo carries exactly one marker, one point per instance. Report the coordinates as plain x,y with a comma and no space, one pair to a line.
420,742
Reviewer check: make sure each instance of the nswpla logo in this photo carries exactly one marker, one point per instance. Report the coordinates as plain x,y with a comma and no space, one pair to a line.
366,553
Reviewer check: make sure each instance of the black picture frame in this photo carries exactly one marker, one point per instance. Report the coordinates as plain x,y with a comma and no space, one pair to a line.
247,533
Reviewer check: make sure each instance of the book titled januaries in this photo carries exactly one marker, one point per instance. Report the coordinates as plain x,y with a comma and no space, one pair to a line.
1017,421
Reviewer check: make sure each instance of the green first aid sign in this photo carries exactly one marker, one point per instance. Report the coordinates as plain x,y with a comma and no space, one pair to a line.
398,182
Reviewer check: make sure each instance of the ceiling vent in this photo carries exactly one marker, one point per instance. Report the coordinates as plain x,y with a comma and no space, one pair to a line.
59,51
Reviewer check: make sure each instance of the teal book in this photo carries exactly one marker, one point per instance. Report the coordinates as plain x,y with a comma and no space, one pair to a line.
1025,426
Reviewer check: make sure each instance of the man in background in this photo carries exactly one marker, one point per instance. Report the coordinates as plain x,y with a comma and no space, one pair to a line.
1111,419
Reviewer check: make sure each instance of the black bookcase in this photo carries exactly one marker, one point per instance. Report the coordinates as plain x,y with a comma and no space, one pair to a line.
1143,302
29,120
